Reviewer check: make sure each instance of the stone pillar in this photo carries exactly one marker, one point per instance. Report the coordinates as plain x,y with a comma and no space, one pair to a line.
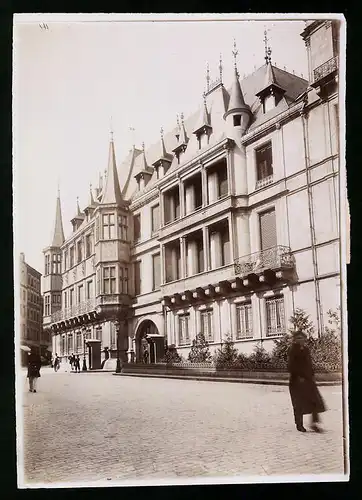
191,258
182,198
215,250
231,238
174,263
212,187
243,235
190,198
183,269
205,238
162,209
204,186
162,264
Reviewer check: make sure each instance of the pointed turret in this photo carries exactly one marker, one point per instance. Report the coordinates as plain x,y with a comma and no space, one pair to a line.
203,124
111,192
165,158
58,238
238,114
92,203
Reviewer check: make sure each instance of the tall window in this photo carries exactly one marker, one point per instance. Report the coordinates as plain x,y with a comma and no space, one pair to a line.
80,250
155,218
184,333
207,327
65,260
80,294
89,289
88,245
156,270
109,280
97,229
71,297
108,227
275,317
264,165
47,305
65,300
47,264
137,227
70,343
78,346
123,227
244,321
225,246
125,280
223,182
99,333
62,345
71,256
137,277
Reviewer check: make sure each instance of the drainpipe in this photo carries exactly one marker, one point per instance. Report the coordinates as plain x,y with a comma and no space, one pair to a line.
304,116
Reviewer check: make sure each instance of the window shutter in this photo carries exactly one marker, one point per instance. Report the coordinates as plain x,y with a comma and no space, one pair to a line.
268,232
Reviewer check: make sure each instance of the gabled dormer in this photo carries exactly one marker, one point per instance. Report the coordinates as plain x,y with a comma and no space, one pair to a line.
182,140
78,218
162,164
271,92
203,126
145,173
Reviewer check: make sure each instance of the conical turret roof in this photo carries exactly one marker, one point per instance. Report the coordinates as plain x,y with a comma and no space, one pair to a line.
203,119
58,238
236,102
111,192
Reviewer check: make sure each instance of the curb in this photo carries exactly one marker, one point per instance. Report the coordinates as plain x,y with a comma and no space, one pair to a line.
222,379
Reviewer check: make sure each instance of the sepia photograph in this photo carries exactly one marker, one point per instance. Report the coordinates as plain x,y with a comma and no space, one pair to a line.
181,240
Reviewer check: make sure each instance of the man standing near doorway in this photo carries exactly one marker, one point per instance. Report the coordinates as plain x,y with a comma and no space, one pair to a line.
34,365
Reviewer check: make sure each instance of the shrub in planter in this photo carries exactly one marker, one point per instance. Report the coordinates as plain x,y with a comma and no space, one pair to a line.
259,359
200,352
227,355
171,356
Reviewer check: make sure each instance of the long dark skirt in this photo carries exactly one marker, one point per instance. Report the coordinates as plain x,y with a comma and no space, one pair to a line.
306,397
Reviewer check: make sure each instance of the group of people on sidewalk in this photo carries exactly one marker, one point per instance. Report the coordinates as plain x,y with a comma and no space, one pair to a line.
305,396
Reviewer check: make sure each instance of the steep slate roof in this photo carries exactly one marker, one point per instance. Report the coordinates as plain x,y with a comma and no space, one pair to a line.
112,191
217,104
58,237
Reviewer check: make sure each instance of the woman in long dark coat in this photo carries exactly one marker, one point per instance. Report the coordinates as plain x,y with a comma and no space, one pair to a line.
304,393
34,365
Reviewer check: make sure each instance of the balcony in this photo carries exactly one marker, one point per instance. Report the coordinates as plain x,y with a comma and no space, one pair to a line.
325,70
266,181
73,311
275,262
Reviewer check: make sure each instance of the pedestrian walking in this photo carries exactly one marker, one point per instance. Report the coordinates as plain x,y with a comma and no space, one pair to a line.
34,365
304,393
72,362
56,363
77,363
145,356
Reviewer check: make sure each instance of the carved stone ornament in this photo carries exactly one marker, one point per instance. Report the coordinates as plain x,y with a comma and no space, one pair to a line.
66,278
83,268
75,273
92,261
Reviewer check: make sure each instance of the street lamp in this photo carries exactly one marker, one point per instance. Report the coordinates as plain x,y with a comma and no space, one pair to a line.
118,365
84,368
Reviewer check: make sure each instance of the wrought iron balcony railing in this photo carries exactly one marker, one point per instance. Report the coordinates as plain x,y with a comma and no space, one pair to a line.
279,257
325,69
264,182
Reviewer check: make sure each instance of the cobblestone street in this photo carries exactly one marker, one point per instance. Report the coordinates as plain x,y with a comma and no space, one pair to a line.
83,427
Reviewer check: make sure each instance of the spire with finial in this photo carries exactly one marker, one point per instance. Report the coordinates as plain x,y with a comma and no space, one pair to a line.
267,49
207,77
235,53
58,236
111,193
91,199
220,67
183,135
78,208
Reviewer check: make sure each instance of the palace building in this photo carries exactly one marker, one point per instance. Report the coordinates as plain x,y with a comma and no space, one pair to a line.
225,227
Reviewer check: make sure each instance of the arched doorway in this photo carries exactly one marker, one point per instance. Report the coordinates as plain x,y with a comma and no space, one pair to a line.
149,343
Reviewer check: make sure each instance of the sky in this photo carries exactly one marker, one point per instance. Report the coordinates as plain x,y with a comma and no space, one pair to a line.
70,79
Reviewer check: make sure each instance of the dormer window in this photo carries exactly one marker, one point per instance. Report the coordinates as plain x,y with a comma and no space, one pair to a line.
237,120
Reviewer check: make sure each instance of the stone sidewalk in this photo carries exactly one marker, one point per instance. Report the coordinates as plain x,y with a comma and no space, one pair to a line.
101,427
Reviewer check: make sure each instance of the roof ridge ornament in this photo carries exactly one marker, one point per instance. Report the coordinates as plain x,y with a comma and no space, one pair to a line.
207,77
267,48
220,67
235,52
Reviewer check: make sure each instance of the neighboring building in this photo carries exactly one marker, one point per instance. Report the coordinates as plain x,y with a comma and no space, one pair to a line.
224,227
31,307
